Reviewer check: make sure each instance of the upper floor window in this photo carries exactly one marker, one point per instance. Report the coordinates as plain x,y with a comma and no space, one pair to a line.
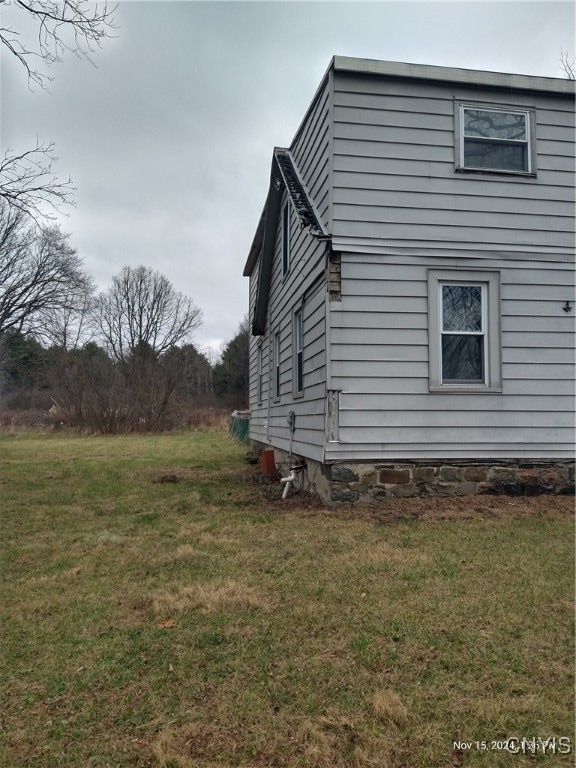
286,239
495,140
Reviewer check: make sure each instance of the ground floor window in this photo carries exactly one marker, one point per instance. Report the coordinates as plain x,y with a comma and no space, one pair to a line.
277,365
260,372
298,352
464,330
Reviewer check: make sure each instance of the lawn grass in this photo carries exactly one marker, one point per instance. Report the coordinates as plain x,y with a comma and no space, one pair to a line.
160,609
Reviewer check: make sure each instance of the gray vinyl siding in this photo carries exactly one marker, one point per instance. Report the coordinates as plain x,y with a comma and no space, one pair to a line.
311,150
400,209
380,357
377,156
258,408
304,285
394,172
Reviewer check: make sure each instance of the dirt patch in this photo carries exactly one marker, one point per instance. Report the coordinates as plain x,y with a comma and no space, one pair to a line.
474,507
192,475
428,510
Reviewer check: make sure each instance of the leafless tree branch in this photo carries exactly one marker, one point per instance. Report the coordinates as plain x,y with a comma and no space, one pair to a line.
29,184
74,26
568,64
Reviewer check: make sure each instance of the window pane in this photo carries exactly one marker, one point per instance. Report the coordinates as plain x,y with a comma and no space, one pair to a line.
299,372
495,125
496,156
277,365
462,308
462,358
299,331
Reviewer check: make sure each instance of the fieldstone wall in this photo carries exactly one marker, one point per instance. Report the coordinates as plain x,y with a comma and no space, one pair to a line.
351,483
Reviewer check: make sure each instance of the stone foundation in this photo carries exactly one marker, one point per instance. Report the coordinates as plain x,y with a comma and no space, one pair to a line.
367,483
373,482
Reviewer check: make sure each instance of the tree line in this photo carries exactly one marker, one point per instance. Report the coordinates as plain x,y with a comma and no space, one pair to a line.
118,360
122,359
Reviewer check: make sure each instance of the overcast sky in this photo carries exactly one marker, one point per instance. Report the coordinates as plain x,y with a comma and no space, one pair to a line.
169,137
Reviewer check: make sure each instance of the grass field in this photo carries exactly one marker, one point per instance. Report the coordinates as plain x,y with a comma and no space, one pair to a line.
161,609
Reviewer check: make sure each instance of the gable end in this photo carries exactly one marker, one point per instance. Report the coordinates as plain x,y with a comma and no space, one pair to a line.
284,174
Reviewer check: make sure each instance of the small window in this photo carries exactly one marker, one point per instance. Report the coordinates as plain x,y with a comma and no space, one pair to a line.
464,331
277,365
496,140
286,239
298,351
260,372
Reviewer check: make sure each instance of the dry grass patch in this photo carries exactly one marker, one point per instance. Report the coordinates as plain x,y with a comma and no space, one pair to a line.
323,742
382,555
388,707
185,552
210,598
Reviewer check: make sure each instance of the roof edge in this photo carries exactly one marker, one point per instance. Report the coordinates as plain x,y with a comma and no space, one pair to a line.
483,78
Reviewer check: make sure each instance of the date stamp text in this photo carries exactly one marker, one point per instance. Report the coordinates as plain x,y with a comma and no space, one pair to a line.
516,745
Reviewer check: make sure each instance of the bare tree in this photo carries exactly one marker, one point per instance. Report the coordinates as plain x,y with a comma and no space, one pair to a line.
75,26
142,320
568,64
87,389
143,310
39,272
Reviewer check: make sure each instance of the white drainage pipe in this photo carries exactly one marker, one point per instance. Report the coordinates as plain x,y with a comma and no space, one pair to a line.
289,480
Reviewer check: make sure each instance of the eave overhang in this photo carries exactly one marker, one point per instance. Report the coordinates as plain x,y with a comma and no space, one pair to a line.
472,77
284,175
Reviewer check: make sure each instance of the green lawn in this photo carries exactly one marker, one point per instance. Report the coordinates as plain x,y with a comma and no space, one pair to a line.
161,609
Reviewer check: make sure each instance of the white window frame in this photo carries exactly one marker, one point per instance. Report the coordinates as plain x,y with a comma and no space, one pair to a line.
490,285
528,113
276,369
260,372
298,351
285,239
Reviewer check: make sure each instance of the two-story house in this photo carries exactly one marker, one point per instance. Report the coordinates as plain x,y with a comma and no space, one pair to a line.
411,285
